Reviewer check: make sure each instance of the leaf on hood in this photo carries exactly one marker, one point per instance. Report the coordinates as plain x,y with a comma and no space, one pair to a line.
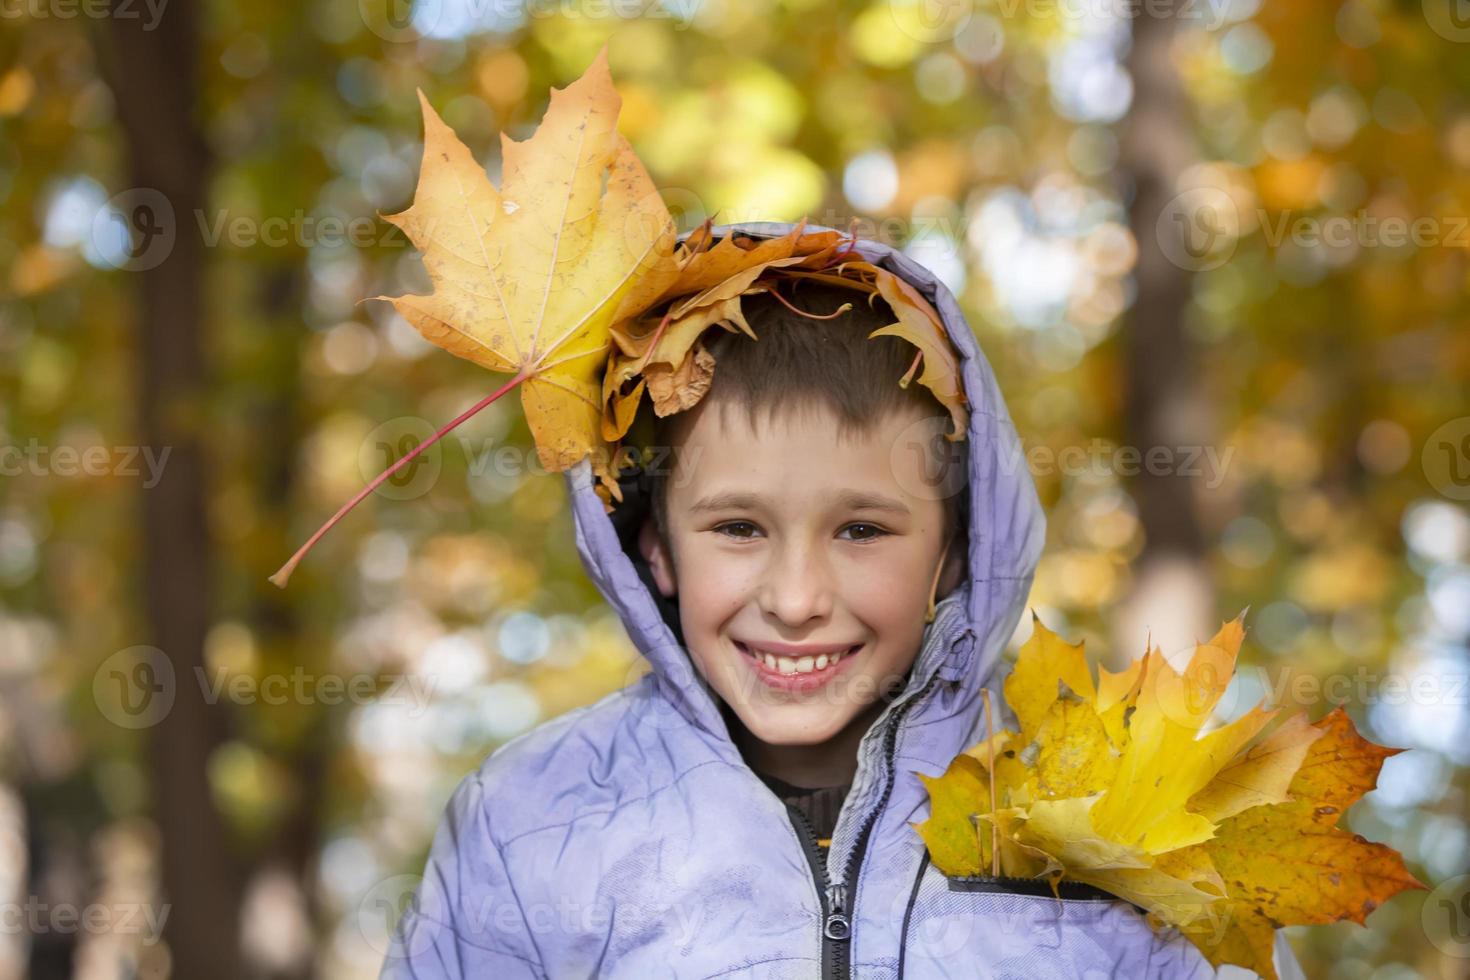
918,323
709,290
1226,835
705,292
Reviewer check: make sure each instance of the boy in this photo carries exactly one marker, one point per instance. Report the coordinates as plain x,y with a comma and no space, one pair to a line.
821,599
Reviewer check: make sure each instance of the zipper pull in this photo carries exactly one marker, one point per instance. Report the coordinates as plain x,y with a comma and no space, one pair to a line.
837,926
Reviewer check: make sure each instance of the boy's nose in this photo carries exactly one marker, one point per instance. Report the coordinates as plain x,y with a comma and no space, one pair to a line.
797,588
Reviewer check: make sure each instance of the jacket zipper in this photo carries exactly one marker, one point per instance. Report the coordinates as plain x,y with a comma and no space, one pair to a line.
1069,890
836,926
1076,890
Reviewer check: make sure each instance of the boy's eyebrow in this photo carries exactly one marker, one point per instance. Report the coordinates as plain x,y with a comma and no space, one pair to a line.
847,499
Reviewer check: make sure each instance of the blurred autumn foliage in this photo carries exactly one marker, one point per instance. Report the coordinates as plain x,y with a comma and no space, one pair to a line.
1215,251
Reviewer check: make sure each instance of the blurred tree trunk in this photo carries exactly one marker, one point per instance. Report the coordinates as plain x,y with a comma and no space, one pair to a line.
1163,403
273,616
57,871
154,74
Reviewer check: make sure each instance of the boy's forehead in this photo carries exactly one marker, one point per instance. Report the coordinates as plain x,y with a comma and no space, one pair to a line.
796,446
715,421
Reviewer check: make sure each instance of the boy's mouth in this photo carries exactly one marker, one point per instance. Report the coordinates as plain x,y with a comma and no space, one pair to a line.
790,660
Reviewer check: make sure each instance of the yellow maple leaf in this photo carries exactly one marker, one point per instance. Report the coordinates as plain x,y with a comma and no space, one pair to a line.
952,841
1226,834
529,278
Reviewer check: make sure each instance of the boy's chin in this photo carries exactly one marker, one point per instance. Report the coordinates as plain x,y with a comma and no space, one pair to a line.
797,726
811,724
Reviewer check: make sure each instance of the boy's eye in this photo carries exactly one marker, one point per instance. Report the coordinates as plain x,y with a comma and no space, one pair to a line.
737,529
864,532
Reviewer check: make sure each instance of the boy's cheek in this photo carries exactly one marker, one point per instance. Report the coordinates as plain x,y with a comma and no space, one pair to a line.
712,567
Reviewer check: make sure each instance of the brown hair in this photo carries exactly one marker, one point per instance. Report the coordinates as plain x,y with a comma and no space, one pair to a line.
799,362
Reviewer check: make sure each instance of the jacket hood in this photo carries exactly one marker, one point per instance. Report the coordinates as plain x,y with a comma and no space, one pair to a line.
1006,532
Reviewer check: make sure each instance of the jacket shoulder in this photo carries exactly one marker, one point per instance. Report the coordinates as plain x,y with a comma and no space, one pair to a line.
586,761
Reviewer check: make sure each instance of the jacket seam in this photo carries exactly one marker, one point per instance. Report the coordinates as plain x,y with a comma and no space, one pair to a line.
856,887
416,917
536,964
903,935
773,959
621,804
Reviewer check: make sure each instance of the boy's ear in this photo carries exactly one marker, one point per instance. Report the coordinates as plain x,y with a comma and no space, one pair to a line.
660,562
953,569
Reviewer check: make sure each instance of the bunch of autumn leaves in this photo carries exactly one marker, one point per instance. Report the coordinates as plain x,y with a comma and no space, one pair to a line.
570,277
1226,834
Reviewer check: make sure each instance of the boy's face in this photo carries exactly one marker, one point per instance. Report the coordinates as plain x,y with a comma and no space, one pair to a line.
793,541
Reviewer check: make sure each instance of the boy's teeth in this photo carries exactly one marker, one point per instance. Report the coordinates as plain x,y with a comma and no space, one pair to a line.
798,665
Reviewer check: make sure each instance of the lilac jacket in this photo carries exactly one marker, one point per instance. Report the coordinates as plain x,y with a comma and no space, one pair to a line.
629,839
